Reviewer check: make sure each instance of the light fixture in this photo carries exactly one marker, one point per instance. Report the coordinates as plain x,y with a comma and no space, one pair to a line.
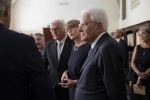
63,2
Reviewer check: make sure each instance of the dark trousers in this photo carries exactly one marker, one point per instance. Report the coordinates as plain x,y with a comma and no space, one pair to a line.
61,93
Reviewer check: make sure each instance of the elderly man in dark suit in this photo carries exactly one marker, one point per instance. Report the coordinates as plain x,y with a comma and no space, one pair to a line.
117,35
56,55
22,73
102,75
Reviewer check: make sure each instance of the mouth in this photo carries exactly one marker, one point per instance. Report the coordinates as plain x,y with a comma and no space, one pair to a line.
55,35
37,44
82,34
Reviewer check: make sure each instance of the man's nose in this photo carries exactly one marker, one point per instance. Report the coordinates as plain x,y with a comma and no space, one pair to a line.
36,42
55,32
80,29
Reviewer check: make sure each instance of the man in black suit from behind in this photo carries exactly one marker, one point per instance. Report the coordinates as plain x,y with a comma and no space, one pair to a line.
56,56
102,75
117,35
22,73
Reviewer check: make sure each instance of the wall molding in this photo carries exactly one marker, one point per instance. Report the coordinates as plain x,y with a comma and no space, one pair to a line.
134,3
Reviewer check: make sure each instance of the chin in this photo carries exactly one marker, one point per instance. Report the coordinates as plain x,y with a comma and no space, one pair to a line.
83,39
71,38
55,38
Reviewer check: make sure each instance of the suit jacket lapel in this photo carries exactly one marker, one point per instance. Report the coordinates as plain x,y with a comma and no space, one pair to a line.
1,25
64,51
120,41
54,46
95,49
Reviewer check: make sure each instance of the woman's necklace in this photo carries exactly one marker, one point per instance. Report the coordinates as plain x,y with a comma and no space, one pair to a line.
76,47
144,49
144,52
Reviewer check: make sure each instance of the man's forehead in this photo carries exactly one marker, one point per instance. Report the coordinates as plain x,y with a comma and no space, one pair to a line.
85,17
37,36
55,24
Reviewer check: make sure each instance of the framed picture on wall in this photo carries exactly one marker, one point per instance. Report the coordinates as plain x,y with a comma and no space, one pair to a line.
123,9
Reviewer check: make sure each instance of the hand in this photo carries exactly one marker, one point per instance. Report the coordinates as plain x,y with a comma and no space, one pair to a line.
64,76
148,72
138,83
143,76
68,83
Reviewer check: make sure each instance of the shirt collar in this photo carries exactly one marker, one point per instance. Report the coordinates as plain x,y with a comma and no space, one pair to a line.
1,22
117,40
95,41
63,40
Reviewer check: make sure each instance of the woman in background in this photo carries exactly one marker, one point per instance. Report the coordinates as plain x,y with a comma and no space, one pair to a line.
78,55
141,65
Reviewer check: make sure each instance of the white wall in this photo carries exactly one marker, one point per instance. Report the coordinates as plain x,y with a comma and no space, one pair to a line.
30,16
139,14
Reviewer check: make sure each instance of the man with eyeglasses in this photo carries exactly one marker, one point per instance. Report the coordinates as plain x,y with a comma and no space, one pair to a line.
102,75
56,55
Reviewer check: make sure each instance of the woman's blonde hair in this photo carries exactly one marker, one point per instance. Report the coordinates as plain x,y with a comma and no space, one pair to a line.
145,29
71,24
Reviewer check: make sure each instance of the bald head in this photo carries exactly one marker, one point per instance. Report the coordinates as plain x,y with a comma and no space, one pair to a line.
117,34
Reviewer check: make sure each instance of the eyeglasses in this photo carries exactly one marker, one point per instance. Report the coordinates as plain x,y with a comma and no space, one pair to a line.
56,30
70,28
83,24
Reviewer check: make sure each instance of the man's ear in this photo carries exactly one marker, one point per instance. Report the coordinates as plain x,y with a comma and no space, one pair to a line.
7,10
100,27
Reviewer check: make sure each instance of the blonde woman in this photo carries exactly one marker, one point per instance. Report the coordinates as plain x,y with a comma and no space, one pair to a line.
141,65
78,55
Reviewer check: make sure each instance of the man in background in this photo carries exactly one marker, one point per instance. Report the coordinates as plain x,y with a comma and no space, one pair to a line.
117,35
22,73
40,42
56,55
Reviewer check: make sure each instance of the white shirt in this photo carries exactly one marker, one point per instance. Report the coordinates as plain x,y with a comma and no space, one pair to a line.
95,41
117,40
1,22
62,41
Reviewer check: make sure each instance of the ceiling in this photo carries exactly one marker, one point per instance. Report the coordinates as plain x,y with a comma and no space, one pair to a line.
117,2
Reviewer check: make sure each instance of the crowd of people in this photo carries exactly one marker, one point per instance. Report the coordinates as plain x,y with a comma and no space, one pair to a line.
81,62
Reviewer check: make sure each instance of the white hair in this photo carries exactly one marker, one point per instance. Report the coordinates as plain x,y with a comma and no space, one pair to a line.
98,15
3,4
61,21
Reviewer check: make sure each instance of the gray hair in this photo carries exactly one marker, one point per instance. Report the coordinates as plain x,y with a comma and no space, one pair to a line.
60,21
98,15
39,34
3,4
